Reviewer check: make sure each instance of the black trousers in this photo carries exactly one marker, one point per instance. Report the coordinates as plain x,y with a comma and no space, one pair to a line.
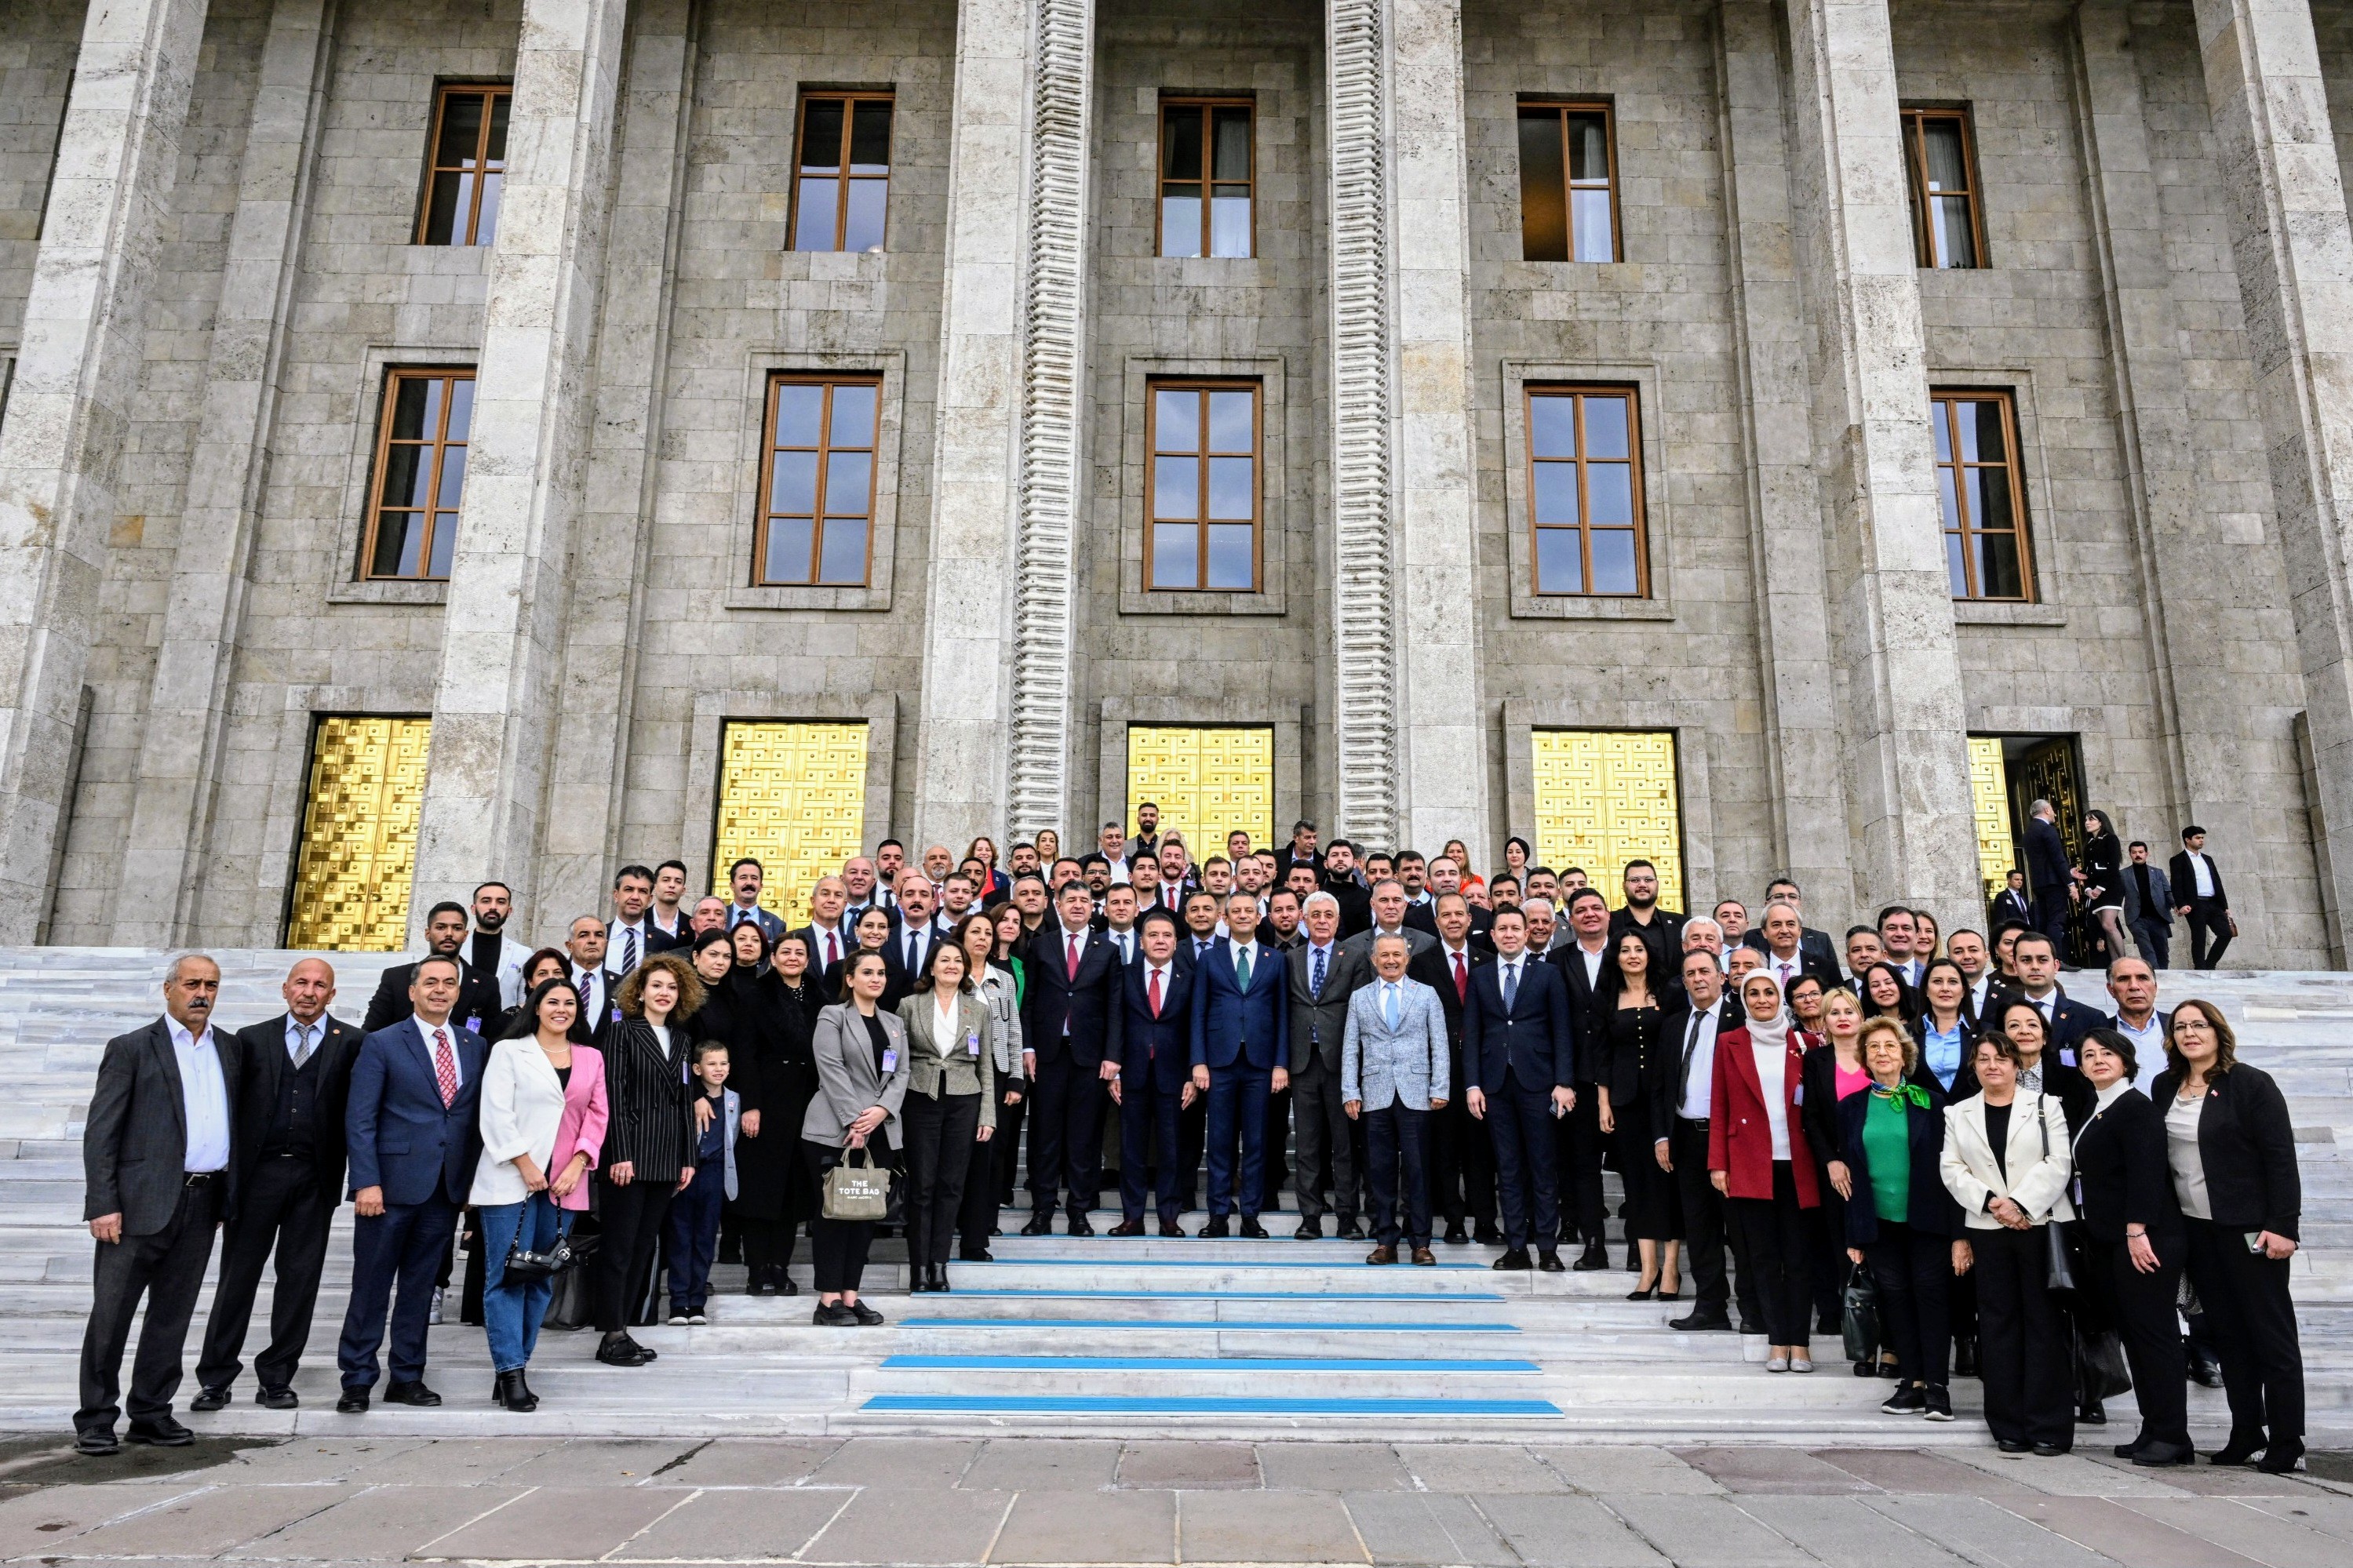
1771,1237
1192,1151
769,1243
1397,1143
1005,1150
1577,1145
1324,1133
2210,931
281,1208
1148,1112
837,1247
1066,1123
2051,906
1462,1163
1704,1227
2155,941
168,1269
632,1219
1521,1120
977,1216
2022,1346
2141,1308
1912,1268
2253,1319
1653,1210
937,1135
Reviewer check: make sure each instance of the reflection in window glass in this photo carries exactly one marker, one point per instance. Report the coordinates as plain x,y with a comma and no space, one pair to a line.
1568,201
1585,493
420,474
1208,178
842,189
1977,492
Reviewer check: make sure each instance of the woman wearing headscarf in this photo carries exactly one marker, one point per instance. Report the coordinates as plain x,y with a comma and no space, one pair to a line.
1758,1159
772,1075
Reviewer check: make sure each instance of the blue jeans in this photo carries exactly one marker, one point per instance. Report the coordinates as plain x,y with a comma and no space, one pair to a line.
693,1239
511,1313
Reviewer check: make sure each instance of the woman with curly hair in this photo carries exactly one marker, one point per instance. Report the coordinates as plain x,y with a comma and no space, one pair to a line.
648,1154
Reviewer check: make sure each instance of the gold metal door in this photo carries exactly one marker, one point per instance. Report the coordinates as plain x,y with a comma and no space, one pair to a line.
1608,797
1989,791
793,797
353,869
1206,782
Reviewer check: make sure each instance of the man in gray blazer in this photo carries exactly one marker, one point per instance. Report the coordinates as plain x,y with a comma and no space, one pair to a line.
1394,1074
2149,918
1324,972
156,1154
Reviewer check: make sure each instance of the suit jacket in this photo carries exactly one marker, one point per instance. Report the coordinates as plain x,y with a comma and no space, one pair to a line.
1928,1207
1740,1127
849,1083
512,956
660,940
2160,886
937,1066
1406,1066
2247,1145
480,1002
773,925
2069,1021
1424,918
1434,969
262,1067
2031,1178
816,940
2046,855
1232,1026
2184,878
653,1117
1162,1045
1663,935
1319,1023
1668,1089
1087,1004
2009,906
134,1142
2122,1171
1812,946
900,979
402,1138
527,1110
1416,941
1533,1038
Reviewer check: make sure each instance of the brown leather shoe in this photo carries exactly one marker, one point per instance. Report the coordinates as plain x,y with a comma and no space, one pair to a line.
1424,1257
1382,1254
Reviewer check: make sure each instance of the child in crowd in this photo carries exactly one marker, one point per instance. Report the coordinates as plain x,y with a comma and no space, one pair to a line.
693,1220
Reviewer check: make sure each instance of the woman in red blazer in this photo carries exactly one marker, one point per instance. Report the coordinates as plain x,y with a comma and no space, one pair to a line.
1758,1158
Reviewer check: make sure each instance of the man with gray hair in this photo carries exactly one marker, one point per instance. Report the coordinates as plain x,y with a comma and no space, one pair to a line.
1702,934
2049,873
1394,1073
1324,972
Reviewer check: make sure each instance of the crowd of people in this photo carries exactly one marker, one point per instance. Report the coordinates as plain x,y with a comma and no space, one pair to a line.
2019,1185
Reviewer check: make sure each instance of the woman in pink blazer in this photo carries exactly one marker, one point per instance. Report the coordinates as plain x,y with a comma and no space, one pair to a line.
1758,1159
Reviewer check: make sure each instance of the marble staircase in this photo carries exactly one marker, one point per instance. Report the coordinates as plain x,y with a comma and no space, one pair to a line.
1097,1335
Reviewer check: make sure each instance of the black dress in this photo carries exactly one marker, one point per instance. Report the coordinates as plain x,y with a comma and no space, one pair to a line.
1638,1055
766,1028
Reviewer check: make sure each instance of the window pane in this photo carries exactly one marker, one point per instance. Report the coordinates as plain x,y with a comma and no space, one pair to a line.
1231,152
1559,569
813,220
792,483
1552,427
854,416
486,220
1956,566
844,558
1544,211
1230,424
448,198
1588,147
821,134
1595,240
500,108
415,408
1948,501
1940,430
1605,427
1180,221
399,544
461,406
1982,433
1989,496
1232,487
1175,487
1176,421
1957,242
787,559
461,130
1609,494
869,137
848,483
1940,139
1229,221
1999,576
1180,145
444,544
1175,556
405,479
1229,556
862,225
1613,561
453,478
1556,497
799,410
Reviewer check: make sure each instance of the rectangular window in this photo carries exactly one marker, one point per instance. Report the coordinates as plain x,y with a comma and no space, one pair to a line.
420,473
1568,183
793,797
842,186
1940,159
1978,490
1208,176
1585,491
352,865
1605,798
1204,501
470,159
817,507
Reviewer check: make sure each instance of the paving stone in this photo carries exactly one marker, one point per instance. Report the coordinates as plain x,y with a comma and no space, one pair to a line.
1988,1535
896,1525
381,1523
1696,1531
559,1521
1566,1532
2251,1531
1265,1527
1910,1471
39,1521
898,1462
1843,1533
1478,1467
598,1463
1188,1466
213,1521
1041,1464
1763,1469
2067,1475
2230,1481
748,1522
1426,1528
753,1462
1608,1468
2118,1531
2325,1511
1332,1466
454,1462
1063,1526
312,1458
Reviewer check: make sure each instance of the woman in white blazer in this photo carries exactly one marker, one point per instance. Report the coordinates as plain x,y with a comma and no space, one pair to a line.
2007,1160
543,1120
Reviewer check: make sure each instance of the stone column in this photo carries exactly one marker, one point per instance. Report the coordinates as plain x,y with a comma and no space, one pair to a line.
1802,741
1364,628
965,734
1905,727
493,707
179,753
68,411
2294,248
588,772
1443,701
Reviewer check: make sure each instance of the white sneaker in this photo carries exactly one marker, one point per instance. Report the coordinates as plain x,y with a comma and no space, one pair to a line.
433,1313
677,1319
699,1320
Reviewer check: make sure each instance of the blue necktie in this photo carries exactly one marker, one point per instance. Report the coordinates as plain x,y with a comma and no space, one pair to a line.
1510,985
1391,1005
1315,981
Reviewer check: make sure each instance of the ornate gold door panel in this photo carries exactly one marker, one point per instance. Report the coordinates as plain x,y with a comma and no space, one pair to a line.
353,868
1608,797
1206,782
793,797
1989,789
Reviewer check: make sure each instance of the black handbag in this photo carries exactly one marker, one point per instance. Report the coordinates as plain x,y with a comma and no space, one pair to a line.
2101,1371
525,1267
1860,1322
2059,1273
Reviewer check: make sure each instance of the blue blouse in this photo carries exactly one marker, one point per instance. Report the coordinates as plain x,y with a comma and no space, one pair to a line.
1942,1053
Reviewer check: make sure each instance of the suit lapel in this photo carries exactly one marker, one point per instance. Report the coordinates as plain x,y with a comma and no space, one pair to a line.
159,1039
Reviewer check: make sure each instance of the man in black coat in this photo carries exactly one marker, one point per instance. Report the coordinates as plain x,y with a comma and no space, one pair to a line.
2049,873
2198,890
1070,1022
478,1002
158,1155
1462,1157
294,1075
1518,1060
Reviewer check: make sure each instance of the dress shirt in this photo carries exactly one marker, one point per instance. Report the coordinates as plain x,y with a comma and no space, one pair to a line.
302,1038
1458,967
944,1021
2046,1004
1119,870
1319,966
1125,939
1699,1077
1592,963
1507,978
1772,1067
1978,989
1156,986
457,1057
590,983
204,1097
1071,948
2183,1158
1784,969
2148,1049
1392,1009
911,949
738,913
1940,1052
820,936
2202,870
618,939
1202,944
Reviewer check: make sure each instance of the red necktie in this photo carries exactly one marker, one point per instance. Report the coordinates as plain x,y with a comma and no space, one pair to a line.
1156,993
445,1068
1074,956
1462,980
832,948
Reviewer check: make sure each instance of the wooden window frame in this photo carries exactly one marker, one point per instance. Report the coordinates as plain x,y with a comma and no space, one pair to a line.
1202,520
434,168
1561,109
1206,105
825,449
1916,168
1942,402
1529,392
438,443
849,98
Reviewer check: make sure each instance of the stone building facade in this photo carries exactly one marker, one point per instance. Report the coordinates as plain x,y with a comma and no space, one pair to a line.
211,270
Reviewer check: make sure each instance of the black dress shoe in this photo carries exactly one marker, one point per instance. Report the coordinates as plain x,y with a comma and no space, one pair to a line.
1218,1229
2154,1455
1082,1225
2051,1451
1516,1258
1487,1235
1126,1228
834,1317
1352,1229
981,1255
1309,1229
1456,1236
514,1393
782,1285
2008,1447
620,1350
97,1442
1700,1323
2242,1447
354,1402
1549,1262
1965,1356
1171,1230
1039,1224
161,1432
279,1398
918,1282
2280,1457
1595,1256
2092,1414
867,1317
414,1393
209,1399
1252,1229
2205,1370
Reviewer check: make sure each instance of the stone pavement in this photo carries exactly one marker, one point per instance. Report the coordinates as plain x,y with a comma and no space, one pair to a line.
1042,1500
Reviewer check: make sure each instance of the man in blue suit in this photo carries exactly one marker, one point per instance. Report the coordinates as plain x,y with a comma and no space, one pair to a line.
1155,1079
414,1142
1519,1058
1241,1038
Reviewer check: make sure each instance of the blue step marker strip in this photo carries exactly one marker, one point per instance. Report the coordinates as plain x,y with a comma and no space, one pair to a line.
1241,1260
1030,1293
1251,1325
1193,1364
1111,1404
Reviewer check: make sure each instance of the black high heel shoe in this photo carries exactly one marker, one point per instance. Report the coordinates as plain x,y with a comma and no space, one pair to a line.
1646,1293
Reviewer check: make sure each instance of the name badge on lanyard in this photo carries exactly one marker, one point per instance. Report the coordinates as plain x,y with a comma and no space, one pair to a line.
972,1042
890,1061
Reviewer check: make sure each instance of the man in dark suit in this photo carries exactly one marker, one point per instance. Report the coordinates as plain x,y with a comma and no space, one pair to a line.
829,936
2198,886
1071,1020
414,1139
479,1003
1300,852
1518,1061
2149,906
1445,877
913,934
2047,872
1681,1109
1241,1046
1462,1158
1322,973
2038,980
1578,1141
745,880
1812,943
294,1077
1155,1078
1788,953
599,987
1661,929
158,1153
2012,903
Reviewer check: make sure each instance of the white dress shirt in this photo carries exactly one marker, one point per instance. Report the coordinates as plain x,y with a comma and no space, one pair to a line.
842,945
1124,941
298,1046
457,1057
617,945
1592,958
1699,1078
2202,870
204,1097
